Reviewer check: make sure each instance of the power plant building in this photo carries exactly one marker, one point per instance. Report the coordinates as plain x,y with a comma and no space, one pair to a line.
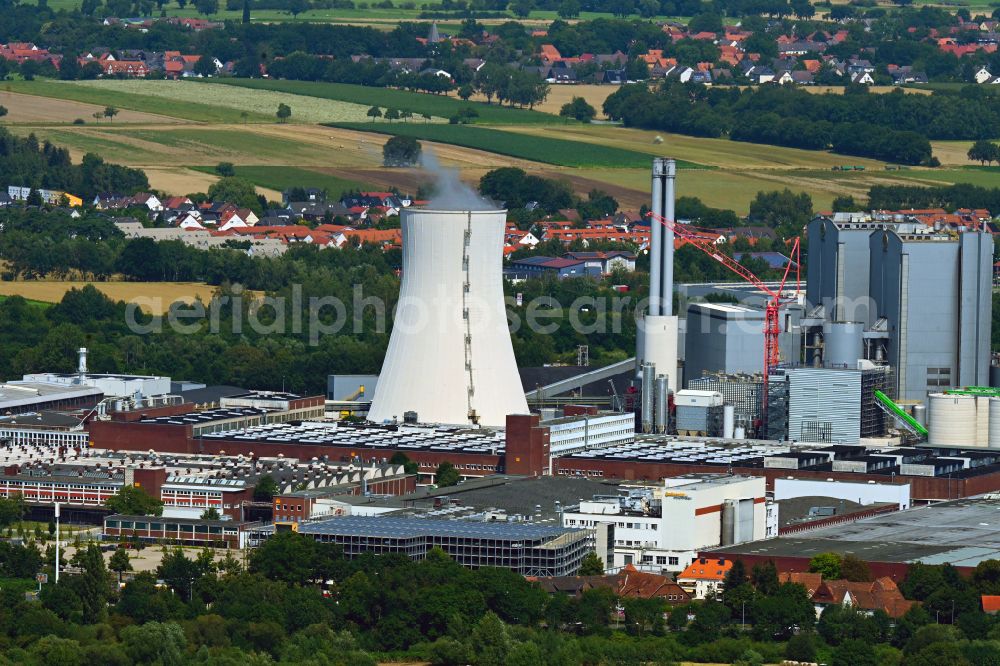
893,290
934,291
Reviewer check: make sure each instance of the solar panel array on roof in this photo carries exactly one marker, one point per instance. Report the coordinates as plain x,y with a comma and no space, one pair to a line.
221,414
437,439
685,452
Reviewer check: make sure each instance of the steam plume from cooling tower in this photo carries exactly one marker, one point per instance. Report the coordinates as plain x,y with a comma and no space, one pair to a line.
450,193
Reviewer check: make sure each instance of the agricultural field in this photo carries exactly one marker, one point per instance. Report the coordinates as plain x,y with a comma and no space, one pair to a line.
439,106
536,147
721,153
152,297
74,91
969,175
28,109
261,103
279,179
179,143
952,153
561,94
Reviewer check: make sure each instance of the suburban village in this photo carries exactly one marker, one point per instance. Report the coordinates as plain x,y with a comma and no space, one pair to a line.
723,55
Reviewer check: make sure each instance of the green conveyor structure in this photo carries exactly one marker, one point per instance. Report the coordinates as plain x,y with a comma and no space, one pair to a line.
895,410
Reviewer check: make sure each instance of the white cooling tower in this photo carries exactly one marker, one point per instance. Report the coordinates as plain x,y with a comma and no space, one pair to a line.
450,358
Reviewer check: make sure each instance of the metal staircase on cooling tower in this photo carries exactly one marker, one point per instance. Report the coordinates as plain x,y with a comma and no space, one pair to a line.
466,241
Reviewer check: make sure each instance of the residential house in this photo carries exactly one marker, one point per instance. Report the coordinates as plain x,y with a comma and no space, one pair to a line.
318,210
614,76
982,75
629,583
148,200
605,262
541,265
21,52
990,603
705,577
810,581
176,203
905,74
134,68
880,594
389,200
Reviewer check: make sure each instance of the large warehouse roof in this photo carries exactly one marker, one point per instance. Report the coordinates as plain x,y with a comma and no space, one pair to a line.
962,532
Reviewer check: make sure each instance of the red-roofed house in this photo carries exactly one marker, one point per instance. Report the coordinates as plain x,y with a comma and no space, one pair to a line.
549,53
991,603
810,581
133,68
881,594
705,577
629,583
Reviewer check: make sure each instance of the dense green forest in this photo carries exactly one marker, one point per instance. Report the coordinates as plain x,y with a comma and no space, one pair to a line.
297,601
25,162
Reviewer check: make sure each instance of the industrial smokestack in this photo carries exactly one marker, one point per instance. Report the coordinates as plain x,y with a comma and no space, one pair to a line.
648,397
656,337
669,167
81,368
656,240
660,394
450,357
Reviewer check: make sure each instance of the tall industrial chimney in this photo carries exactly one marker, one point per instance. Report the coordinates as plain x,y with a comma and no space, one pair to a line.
81,368
656,341
450,358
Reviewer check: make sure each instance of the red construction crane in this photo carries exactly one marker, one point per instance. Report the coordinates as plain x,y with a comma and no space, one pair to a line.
772,327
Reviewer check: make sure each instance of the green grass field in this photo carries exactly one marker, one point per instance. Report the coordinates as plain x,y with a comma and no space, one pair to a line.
283,178
721,153
535,148
434,105
41,305
194,111
970,175
261,103
377,16
230,142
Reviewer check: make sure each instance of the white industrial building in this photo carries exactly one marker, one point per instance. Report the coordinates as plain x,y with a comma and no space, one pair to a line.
450,358
853,491
111,385
582,432
662,528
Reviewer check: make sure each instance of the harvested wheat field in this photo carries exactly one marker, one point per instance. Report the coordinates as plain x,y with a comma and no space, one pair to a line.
153,297
563,94
42,110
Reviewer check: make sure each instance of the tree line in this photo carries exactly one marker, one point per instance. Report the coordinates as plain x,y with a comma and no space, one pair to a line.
894,127
295,600
948,197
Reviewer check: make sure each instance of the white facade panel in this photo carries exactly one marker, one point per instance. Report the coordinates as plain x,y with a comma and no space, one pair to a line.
862,493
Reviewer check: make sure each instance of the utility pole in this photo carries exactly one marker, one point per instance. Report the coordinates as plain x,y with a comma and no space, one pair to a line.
57,543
